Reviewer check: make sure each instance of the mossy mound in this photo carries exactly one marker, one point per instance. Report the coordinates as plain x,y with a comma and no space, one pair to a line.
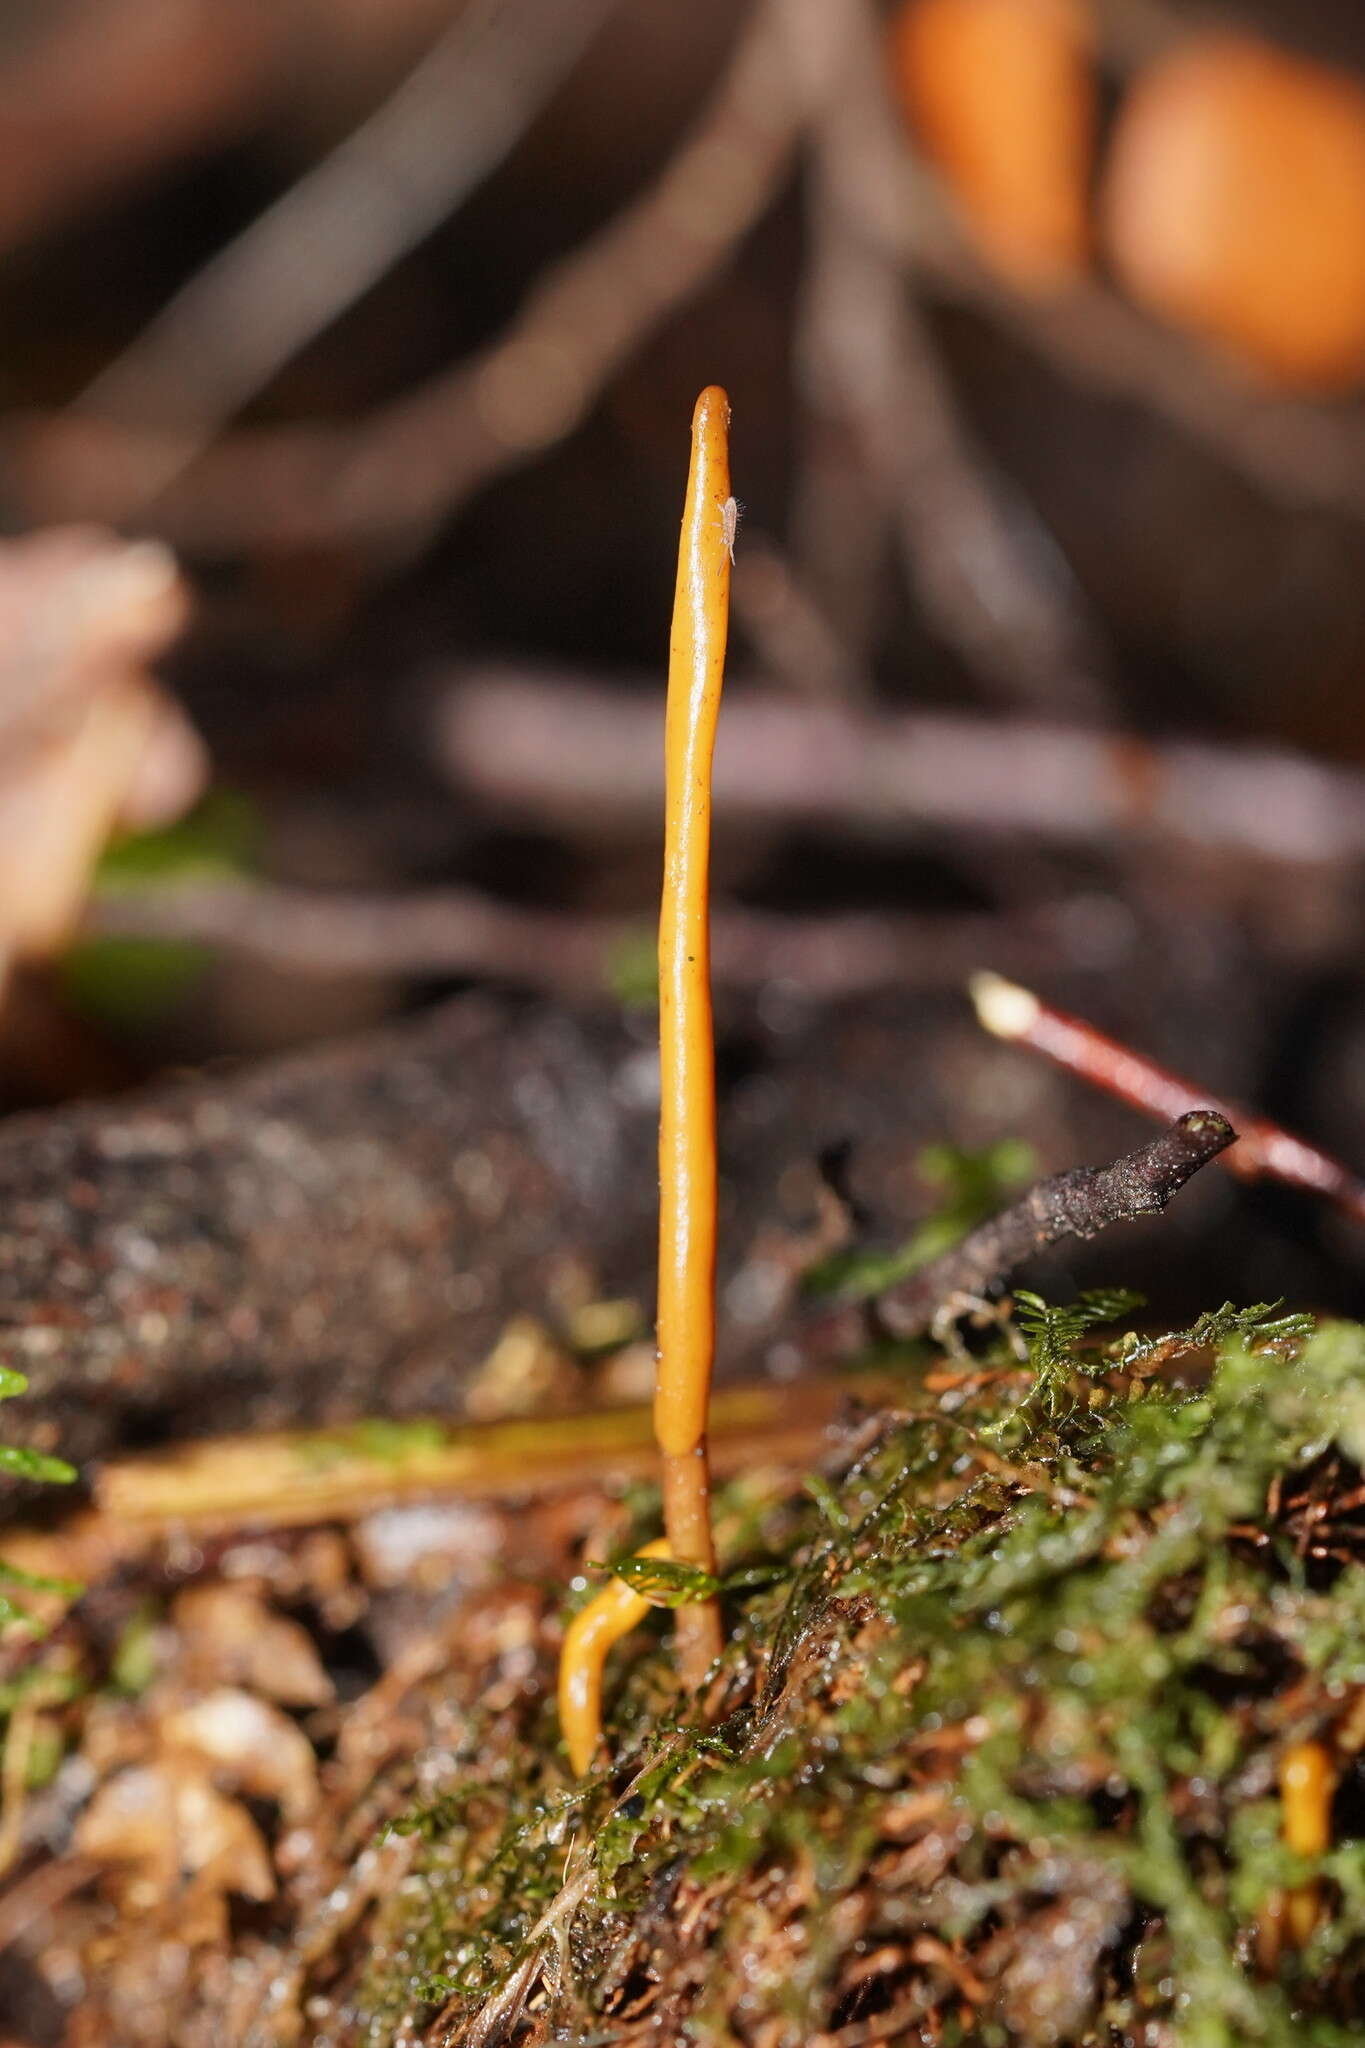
993,1757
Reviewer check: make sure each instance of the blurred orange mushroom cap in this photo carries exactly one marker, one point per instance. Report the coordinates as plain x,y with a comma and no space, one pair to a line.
1234,205
1001,96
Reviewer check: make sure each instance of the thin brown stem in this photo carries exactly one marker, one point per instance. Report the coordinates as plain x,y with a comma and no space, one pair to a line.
687,1513
567,751
1263,1151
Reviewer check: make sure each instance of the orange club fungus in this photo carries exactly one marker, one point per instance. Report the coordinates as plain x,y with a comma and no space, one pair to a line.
687,1113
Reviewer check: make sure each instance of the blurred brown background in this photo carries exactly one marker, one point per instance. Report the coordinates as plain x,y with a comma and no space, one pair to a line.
1044,327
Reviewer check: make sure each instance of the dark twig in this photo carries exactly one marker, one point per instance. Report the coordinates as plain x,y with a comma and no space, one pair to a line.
394,472
378,1212
559,748
996,591
1079,1203
312,254
1263,1150
1294,451
445,932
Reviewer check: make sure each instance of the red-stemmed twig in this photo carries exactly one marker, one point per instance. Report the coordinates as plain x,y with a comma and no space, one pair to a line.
1263,1150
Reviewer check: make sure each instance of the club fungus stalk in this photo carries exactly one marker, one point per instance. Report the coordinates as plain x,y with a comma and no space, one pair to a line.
613,1613
687,1113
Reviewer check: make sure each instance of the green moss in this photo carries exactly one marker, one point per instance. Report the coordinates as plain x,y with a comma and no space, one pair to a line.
129,981
22,1463
391,1442
1029,1656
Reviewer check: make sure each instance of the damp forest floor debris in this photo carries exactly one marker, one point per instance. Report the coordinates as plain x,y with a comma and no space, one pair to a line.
994,1753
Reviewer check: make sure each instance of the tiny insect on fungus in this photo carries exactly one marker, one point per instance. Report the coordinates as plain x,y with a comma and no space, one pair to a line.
731,512
687,1106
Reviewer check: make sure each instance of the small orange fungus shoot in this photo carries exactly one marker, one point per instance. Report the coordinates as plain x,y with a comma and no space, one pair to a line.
1234,205
687,1078
1307,1782
687,1098
1001,95
613,1613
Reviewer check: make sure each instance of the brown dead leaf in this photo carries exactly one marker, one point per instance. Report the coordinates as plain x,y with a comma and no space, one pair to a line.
87,738
251,1747
166,1834
229,1636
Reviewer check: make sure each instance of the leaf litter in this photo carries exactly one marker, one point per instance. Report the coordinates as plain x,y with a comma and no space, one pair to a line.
991,1755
